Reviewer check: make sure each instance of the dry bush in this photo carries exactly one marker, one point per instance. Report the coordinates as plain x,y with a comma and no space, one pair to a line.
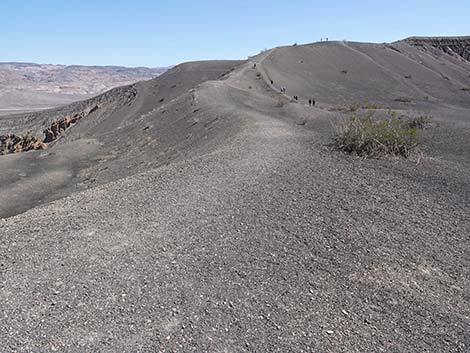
420,122
371,138
404,99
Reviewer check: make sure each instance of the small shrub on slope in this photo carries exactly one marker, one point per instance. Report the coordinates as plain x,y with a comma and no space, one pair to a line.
370,138
420,122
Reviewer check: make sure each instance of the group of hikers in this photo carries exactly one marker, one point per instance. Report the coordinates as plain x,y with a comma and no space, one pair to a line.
311,101
283,90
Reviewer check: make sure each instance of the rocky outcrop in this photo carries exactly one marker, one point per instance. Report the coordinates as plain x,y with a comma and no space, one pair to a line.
59,120
57,127
12,143
458,46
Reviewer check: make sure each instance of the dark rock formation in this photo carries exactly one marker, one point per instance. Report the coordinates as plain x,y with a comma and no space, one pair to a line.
12,143
57,127
451,45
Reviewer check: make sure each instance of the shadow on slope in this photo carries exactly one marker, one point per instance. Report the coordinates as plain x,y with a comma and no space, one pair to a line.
125,131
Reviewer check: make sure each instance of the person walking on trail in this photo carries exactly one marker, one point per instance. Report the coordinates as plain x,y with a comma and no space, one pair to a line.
313,101
309,102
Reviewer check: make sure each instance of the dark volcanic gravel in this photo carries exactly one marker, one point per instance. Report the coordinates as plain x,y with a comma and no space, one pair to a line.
238,230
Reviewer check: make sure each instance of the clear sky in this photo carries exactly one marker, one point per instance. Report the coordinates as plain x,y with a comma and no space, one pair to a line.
161,33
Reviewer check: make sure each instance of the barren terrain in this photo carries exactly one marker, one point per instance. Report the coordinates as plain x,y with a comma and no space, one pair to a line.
205,211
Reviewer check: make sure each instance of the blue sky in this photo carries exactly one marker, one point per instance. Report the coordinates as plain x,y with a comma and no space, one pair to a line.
160,33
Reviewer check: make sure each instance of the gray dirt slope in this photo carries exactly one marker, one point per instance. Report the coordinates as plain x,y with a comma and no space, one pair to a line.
203,211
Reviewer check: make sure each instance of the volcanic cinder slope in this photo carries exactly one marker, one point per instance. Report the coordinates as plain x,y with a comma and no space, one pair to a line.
203,211
30,87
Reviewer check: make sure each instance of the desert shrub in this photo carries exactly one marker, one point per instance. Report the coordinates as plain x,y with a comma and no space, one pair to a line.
404,99
371,138
419,122
371,106
354,107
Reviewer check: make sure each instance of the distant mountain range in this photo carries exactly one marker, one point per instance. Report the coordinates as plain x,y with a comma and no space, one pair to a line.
29,86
